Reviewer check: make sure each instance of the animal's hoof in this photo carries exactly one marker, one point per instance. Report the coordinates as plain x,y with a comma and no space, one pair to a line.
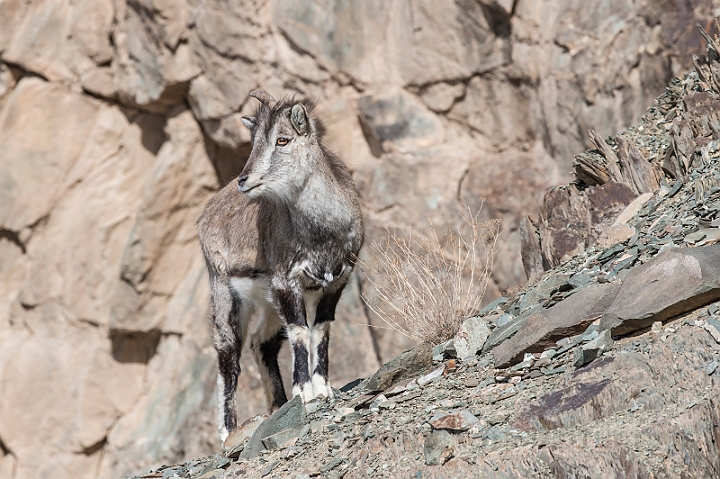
322,388
305,392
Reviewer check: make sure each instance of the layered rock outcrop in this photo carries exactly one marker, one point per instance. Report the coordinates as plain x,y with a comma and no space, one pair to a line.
606,366
118,120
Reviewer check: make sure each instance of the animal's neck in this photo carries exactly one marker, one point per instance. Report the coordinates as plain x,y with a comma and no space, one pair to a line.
322,205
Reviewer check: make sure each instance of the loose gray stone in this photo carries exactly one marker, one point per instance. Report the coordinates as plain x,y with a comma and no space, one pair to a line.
556,370
332,464
548,353
268,469
243,432
602,342
470,382
174,471
712,326
590,336
542,291
494,433
522,365
408,395
447,349
404,366
439,448
505,319
291,415
497,419
492,306
502,333
486,382
280,438
579,280
431,376
458,421
214,474
584,356
471,337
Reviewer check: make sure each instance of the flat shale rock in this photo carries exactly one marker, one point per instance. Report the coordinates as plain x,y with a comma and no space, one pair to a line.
674,282
404,366
459,421
290,416
243,432
615,234
579,461
439,448
471,337
567,318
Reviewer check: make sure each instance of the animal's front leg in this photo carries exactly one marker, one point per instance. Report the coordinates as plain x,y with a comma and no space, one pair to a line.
291,307
320,341
299,337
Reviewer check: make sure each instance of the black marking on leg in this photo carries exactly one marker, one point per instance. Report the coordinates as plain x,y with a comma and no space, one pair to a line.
229,365
301,366
228,344
236,320
291,306
326,307
269,355
321,362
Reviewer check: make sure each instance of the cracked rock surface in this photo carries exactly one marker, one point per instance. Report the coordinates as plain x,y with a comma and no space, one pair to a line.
119,119
606,366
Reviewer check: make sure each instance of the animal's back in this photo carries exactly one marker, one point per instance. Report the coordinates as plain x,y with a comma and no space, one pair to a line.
228,232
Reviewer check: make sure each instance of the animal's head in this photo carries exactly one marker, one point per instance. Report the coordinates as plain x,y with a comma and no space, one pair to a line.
286,145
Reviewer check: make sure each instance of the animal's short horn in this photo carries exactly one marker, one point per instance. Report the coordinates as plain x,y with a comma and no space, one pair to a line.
264,97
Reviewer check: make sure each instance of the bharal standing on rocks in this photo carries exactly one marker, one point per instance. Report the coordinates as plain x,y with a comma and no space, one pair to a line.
282,243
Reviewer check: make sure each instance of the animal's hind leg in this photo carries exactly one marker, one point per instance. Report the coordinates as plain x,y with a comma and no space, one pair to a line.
265,344
227,311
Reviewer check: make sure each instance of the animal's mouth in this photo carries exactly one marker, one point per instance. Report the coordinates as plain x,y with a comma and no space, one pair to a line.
248,188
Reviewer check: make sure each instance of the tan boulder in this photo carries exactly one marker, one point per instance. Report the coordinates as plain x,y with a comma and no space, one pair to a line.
42,130
75,37
62,392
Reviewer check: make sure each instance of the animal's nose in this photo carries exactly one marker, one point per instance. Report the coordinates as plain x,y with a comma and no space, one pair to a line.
241,180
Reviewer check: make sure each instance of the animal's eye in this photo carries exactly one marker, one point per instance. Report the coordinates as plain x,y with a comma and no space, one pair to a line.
282,141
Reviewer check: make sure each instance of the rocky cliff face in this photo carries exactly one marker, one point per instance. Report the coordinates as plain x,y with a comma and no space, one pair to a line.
606,366
118,120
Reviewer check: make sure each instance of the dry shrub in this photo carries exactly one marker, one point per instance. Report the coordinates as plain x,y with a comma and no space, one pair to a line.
425,287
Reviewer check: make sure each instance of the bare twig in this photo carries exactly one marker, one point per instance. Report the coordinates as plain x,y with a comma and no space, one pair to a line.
424,287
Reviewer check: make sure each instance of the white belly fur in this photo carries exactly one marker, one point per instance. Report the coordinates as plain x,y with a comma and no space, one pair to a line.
257,291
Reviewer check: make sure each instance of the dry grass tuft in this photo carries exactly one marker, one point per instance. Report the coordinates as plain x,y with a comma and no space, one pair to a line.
425,287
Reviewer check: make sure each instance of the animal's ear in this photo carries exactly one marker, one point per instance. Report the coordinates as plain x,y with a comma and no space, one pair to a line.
249,121
299,118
